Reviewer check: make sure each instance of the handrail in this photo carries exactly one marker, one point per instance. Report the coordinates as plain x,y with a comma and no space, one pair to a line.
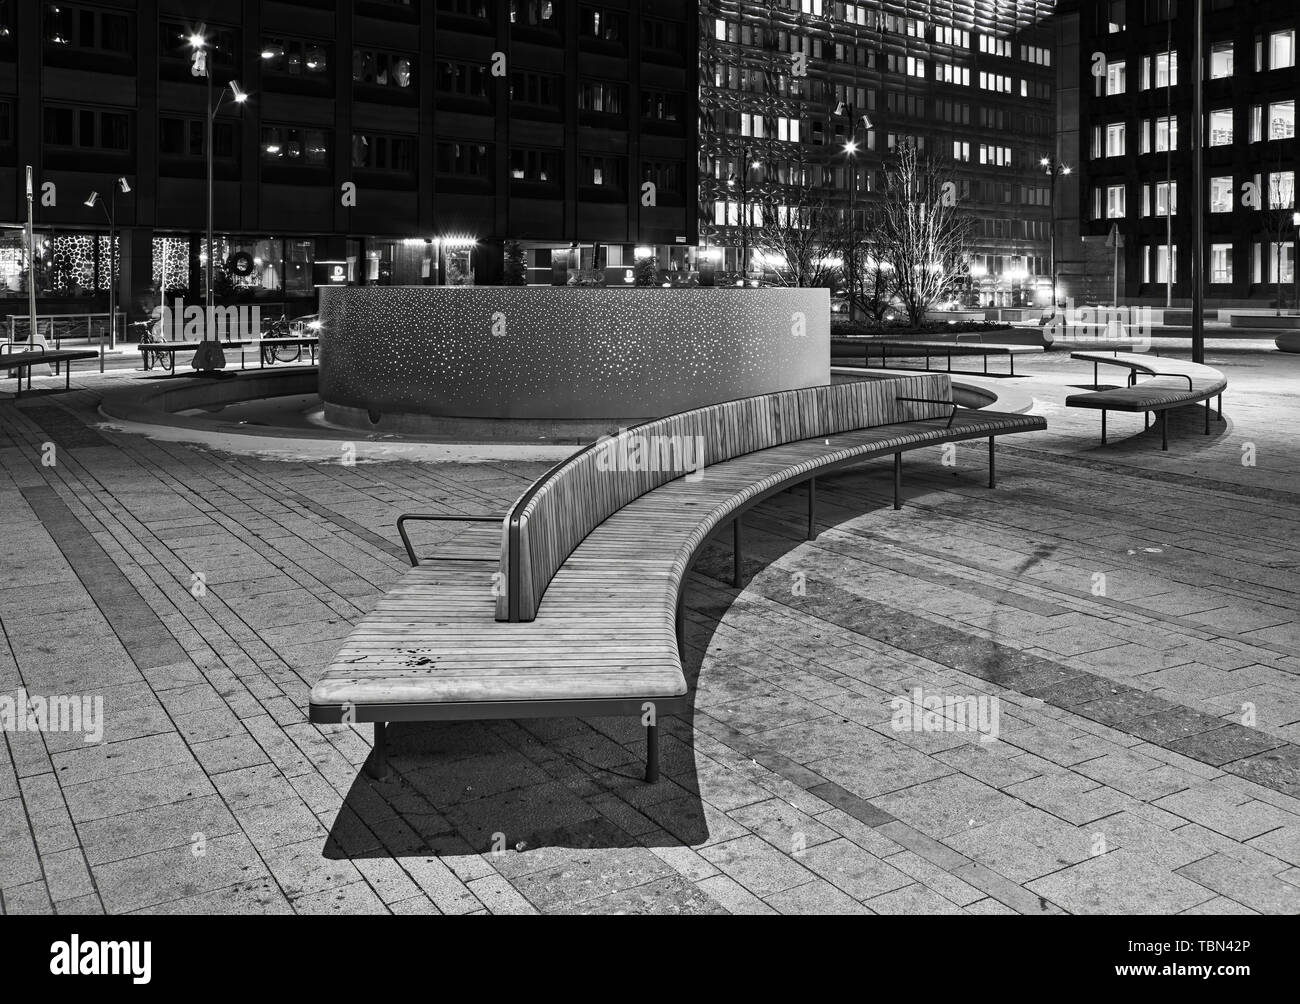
933,400
1185,376
435,518
977,335
27,346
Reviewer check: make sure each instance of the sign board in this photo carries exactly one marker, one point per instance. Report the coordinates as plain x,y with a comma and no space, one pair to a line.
329,273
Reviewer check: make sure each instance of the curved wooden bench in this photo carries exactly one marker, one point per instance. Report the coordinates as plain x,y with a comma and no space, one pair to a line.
1173,384
581,614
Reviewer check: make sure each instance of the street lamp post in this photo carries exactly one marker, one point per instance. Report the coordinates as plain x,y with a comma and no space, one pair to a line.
747,164
210,357
1198,192
110,211
851,148
1053,169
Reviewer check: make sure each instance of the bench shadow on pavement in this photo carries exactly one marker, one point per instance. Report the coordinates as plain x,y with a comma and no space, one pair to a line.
474,787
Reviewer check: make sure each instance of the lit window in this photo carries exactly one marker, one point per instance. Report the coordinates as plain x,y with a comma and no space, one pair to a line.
1221,127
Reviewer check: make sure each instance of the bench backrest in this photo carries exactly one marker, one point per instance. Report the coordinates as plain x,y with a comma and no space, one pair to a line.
576,496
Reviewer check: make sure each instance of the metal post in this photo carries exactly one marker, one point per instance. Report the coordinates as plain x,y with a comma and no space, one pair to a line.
1164,429
1103,426
736,559
31,269
1169,165
1051,252
898,481
1198,198
112,267
651,754
812,508
207,265
853,233
993,481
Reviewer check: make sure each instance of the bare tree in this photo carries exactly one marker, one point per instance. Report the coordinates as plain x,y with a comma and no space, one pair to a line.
1277,209
923,234
791,234
868,273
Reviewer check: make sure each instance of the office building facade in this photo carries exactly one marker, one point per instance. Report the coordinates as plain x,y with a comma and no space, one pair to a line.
1134,69
406,140
786,85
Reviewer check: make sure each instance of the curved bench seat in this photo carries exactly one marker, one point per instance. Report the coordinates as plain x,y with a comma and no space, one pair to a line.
603,635
1173,384
615,598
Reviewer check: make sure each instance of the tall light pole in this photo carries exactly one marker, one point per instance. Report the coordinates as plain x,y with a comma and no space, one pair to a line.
1198,194
851,158
1053,169
851,148
31,264
210,356
748,163
110,211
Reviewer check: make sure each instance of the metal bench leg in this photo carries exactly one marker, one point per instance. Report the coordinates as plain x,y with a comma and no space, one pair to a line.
737,560
378,765
1146,420
1103,426
1012,357
1164,429
898,481
1207,416
1095,385
1220,407
812,508
67,376
651,754
993,481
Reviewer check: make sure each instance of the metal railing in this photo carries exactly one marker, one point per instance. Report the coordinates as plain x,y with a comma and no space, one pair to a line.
934,400
437,518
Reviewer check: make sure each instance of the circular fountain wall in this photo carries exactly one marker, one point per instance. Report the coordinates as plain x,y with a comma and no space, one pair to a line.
555,359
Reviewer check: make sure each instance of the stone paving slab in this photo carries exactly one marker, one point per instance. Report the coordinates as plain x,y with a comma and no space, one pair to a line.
1142,648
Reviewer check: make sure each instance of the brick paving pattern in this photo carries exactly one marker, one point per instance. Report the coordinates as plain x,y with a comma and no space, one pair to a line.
1134,612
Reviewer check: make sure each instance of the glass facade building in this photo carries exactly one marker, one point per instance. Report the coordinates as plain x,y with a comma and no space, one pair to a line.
785,85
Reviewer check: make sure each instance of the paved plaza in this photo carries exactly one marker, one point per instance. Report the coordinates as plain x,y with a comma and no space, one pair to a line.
1136,614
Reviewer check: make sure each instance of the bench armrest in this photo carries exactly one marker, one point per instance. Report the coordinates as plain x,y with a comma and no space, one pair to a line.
31,346
432,518
933,400
1185,376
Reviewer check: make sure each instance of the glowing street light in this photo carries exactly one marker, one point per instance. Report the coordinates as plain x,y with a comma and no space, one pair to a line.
210,357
